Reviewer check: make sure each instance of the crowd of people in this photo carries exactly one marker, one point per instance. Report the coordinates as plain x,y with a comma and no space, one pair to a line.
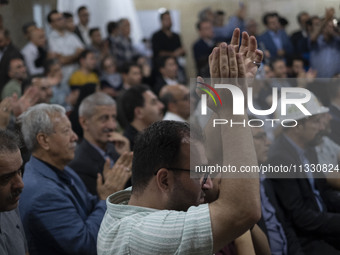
98,138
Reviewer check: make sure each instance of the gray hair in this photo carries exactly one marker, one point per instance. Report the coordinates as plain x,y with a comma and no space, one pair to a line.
37,119
87,106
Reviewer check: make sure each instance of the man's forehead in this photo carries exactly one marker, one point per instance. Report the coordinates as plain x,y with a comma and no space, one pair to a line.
104,109
14,157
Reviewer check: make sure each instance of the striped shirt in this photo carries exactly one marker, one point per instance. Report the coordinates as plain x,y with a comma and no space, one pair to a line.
127,229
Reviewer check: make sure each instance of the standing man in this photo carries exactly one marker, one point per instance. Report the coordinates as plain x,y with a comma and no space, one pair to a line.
12,236
59,215
97,117
82,29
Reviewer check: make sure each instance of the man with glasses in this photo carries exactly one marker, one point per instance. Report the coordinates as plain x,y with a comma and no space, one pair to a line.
165,212
12,236
301,194
176,99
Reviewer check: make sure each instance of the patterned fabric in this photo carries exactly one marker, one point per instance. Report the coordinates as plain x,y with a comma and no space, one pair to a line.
129,229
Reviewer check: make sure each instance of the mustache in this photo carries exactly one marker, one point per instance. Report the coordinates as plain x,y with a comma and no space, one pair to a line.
15,193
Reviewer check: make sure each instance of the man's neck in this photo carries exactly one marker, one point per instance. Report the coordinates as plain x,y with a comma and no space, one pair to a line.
48,159
149,198
138,125
60,31
84,70
296,139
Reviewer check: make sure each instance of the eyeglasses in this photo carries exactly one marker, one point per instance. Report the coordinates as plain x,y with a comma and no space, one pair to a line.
192,173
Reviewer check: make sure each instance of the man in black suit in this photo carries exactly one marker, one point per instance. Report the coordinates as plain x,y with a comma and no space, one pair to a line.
300,194
7,52
97,117
82,30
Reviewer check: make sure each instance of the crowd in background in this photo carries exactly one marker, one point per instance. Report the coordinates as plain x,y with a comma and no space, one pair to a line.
106,91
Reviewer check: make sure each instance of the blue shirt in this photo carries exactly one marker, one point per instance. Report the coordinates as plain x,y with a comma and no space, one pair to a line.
58,214
276,39
325,57
276,235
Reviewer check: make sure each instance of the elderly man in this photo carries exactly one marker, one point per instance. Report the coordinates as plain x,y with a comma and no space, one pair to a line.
317,228
12,236
97,117
164,213
58,214
176,99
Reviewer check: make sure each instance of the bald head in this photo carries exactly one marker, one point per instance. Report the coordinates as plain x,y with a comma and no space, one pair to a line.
176,99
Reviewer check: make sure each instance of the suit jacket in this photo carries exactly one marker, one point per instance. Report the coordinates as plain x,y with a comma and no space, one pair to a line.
201,53
293,245
297,198
58,214
78,33
335,124
88,162
266,40
10,53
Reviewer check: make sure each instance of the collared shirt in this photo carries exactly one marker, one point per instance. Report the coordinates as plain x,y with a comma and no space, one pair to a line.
128,229
173,116
276,39
276,234
304,161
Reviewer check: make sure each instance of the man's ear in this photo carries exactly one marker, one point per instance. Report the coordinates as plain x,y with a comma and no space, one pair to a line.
138,113
83,123
43,141
164,180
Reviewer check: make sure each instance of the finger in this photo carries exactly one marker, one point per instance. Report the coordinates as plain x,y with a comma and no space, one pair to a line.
252,46
235,39
258,56
232,62
244,43
214,63
224,66
241,66
99,180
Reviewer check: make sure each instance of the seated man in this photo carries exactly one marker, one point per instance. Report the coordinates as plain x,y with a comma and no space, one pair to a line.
97,117
12,236
58,214
168,70
176,99
162,214
140,108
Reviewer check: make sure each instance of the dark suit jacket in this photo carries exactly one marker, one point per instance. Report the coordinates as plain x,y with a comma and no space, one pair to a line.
10,53
88,162
296,197
201,53
293,245
266,40
335,124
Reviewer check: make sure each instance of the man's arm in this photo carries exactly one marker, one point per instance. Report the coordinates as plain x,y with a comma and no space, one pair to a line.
238,205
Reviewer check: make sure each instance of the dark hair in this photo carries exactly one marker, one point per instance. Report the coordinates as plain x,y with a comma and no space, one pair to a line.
161,61
269,15
49,63
111,26
298,17
27,25
81,8
92,30
220,12
158,146
131,99
271,64
164,13
67,15
125,68
84,54
49,19
9,141
283,21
